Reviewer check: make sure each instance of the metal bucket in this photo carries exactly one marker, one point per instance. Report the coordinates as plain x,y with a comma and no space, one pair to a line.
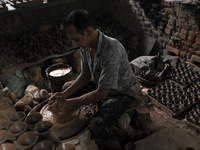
56,82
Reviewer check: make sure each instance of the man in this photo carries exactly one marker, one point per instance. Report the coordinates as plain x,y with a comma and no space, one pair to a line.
104,61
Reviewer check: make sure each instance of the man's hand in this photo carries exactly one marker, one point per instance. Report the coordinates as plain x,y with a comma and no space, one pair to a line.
55,97
57,101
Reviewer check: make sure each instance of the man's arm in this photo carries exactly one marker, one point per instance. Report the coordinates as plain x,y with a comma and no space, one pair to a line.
80,81
91,97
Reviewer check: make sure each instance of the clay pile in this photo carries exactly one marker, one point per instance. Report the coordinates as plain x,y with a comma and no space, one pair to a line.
32,97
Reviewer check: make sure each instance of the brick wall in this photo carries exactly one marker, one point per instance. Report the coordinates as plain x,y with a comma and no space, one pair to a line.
175,25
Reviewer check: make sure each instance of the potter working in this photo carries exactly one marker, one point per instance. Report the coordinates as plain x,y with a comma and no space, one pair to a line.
106,79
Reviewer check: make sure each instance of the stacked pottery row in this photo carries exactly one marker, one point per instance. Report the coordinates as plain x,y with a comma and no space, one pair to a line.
193,115
173,95
27,133
183,74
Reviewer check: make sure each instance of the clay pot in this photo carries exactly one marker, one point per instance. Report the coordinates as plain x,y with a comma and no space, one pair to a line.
177,102
191,99
195,109
130,146
189,117
165,102
3,136
27,140
171,98
2,123
170,106
196,96
198,106
33,119
192,112
57,82
197,120
164,95
159,87
44,145
17,116
66,146
183,97
189,94
43,128
7,146
186,102
159,98
67,122
177,107
17,128
181,92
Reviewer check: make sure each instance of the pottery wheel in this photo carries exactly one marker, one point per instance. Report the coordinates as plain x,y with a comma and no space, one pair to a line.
59,118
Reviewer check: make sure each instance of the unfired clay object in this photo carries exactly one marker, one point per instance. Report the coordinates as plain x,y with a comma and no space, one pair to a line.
17,116
17,128
33,119
27,140
8,146
3,136
43,128
66,146
44,145
2,123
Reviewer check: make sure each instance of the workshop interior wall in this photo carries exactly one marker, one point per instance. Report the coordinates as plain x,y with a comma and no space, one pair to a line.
175,25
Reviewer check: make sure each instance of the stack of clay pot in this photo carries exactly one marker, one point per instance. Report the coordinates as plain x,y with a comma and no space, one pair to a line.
193,115
174,96
28,132
183,74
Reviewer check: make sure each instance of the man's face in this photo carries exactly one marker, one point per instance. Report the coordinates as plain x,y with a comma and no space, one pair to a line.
77,38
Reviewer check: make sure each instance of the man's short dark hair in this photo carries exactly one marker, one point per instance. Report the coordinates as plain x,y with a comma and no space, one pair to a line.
80,19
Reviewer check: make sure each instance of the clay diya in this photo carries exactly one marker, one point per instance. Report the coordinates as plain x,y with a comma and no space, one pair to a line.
170,106
66,146
27,140
192,112
197,120
32,119
44,145
186,102
188,117
43,128
17,116
3,136
165,102
195,109
17,128
7,146
177,107
2,123
198,106
177,102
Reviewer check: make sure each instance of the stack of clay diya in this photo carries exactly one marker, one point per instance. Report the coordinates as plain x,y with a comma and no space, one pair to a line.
193,115
183,74
21,132
174,96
